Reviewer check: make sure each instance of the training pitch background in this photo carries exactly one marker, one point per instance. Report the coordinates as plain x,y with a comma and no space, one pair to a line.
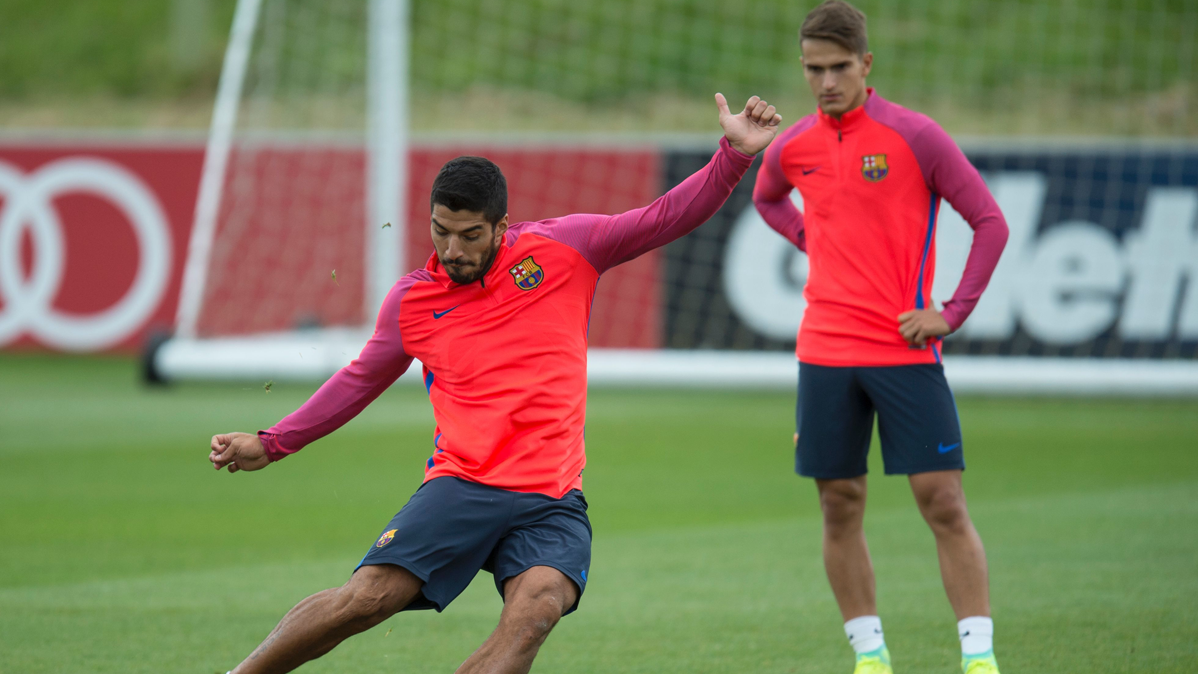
121,550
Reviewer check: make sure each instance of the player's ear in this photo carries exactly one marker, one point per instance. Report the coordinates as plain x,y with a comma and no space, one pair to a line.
868,60
501,228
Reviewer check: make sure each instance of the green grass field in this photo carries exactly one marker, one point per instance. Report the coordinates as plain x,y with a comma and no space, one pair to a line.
121,550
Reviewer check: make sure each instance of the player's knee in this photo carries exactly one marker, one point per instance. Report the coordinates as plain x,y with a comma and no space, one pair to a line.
533,631
540,623
842,503
536,611
944,510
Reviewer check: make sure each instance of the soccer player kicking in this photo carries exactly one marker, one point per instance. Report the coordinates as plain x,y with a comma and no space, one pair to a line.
872,175
498,317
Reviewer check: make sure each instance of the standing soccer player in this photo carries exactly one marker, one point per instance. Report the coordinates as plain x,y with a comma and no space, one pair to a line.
872,175
498,317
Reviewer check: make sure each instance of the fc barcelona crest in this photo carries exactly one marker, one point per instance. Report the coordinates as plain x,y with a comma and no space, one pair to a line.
528,274
385,538
873,167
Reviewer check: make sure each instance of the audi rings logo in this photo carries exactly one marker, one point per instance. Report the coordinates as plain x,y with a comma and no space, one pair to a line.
28,205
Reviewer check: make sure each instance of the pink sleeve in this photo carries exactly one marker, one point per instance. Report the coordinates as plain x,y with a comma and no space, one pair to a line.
608,240
349,391
949,174
771,193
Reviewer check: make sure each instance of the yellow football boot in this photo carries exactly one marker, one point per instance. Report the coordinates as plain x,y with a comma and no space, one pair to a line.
983,663
874,662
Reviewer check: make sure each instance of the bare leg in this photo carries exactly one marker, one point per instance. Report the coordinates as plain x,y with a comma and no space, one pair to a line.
941,500
533,603
320,622
846,555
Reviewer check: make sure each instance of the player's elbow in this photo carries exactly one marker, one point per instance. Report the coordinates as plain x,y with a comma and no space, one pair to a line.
990,227
769,211
1001,231
998,233
763,204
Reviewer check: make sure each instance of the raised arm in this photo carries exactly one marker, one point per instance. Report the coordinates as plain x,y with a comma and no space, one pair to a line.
340,399
608,240
771,193
950,175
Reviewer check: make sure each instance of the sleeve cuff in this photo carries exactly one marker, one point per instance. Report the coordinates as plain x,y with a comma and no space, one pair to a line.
274,450
735,154
951,317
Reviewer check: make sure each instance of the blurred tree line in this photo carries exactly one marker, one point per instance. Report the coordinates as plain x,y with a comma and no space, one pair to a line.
1123,67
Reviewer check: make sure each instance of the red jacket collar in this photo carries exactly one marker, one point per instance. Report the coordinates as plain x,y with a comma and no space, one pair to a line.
850,120
493,275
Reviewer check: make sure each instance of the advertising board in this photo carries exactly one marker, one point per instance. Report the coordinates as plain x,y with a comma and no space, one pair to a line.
1102,261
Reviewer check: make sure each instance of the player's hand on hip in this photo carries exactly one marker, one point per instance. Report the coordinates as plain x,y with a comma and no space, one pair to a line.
752,129
919,325
238,451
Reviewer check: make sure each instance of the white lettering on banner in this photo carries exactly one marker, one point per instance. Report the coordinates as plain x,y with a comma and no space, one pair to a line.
1065,287
1070,284
1187,325
28,205
1159,255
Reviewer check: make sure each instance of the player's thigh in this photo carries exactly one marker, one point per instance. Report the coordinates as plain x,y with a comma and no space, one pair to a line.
383,588
834,420
917,418
540,589
545,532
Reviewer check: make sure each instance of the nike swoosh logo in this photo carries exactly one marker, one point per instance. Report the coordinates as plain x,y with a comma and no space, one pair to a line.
439,315
812,170
945,450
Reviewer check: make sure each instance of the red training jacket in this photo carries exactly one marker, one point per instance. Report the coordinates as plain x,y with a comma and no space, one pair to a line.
871,183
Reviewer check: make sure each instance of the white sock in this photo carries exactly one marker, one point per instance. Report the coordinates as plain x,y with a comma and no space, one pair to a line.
977,635
865,634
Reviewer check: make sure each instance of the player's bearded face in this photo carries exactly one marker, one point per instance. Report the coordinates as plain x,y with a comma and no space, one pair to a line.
466,243
462,269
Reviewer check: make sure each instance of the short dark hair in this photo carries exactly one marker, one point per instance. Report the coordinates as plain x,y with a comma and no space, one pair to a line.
837,21
471,184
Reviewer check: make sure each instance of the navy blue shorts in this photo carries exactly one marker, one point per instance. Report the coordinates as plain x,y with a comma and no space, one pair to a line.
917,420
451,528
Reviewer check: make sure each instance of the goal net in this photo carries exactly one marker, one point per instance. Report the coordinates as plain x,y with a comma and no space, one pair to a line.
280,234
333,119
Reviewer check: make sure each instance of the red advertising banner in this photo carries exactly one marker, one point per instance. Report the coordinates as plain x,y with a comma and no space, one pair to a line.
92,240
94,237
